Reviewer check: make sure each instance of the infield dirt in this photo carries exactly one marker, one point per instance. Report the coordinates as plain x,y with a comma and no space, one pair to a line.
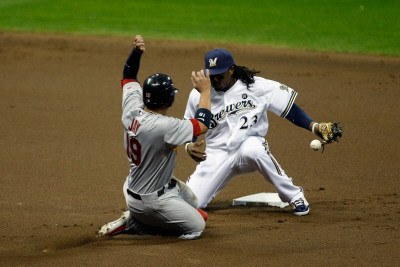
63,163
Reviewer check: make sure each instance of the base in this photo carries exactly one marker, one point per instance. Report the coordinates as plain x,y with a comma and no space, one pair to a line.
267,199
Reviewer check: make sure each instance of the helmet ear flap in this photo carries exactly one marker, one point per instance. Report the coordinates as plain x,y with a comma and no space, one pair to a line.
158,91
171,98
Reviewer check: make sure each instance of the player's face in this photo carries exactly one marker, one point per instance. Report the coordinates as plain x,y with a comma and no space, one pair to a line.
223,81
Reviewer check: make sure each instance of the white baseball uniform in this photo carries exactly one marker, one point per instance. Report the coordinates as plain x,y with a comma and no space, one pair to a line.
156,205
235,142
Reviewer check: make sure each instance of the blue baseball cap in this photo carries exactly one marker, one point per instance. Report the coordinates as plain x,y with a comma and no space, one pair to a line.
218,61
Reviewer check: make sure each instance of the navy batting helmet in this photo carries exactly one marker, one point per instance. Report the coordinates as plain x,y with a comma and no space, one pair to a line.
158,91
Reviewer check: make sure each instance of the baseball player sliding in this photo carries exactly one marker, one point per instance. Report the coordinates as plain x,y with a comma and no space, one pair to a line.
235,141
158,203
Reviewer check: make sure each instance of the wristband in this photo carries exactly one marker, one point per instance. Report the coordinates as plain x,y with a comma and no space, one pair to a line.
186,146
203,115
315,123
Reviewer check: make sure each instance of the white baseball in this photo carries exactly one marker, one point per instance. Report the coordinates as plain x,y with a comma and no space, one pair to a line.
315,144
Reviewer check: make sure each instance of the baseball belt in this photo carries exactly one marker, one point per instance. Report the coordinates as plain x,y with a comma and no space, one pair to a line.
160,192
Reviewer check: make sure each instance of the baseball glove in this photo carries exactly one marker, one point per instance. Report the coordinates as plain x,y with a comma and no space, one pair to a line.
330,131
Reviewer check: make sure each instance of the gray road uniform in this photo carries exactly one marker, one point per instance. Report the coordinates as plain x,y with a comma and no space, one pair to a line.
158,202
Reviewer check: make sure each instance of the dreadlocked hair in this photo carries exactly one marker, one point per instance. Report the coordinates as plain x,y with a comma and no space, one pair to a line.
244,74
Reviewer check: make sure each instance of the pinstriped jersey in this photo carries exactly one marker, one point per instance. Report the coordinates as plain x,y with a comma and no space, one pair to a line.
241,112
150,140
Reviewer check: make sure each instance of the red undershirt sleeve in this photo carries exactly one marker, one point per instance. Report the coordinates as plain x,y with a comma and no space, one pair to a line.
196,127
125,81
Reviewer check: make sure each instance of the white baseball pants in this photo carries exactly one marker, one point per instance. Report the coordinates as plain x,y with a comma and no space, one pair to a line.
212,175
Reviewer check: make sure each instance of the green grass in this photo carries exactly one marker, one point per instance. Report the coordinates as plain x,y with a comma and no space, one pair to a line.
368,27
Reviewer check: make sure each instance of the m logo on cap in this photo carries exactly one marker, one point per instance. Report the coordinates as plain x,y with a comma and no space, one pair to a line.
212,62
224,58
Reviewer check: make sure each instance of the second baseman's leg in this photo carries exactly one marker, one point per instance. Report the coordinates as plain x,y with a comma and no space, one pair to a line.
211,176
254,155
186,193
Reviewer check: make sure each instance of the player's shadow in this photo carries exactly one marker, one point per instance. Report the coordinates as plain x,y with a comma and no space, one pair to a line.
140,240
225,205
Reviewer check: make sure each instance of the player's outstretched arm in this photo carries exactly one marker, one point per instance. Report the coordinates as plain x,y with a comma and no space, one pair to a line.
201,82
299,117
328,131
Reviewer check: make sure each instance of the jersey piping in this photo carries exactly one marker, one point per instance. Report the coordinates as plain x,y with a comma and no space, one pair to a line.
290,104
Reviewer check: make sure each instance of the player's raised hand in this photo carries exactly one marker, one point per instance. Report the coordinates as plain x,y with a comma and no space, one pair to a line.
139,44
201,81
